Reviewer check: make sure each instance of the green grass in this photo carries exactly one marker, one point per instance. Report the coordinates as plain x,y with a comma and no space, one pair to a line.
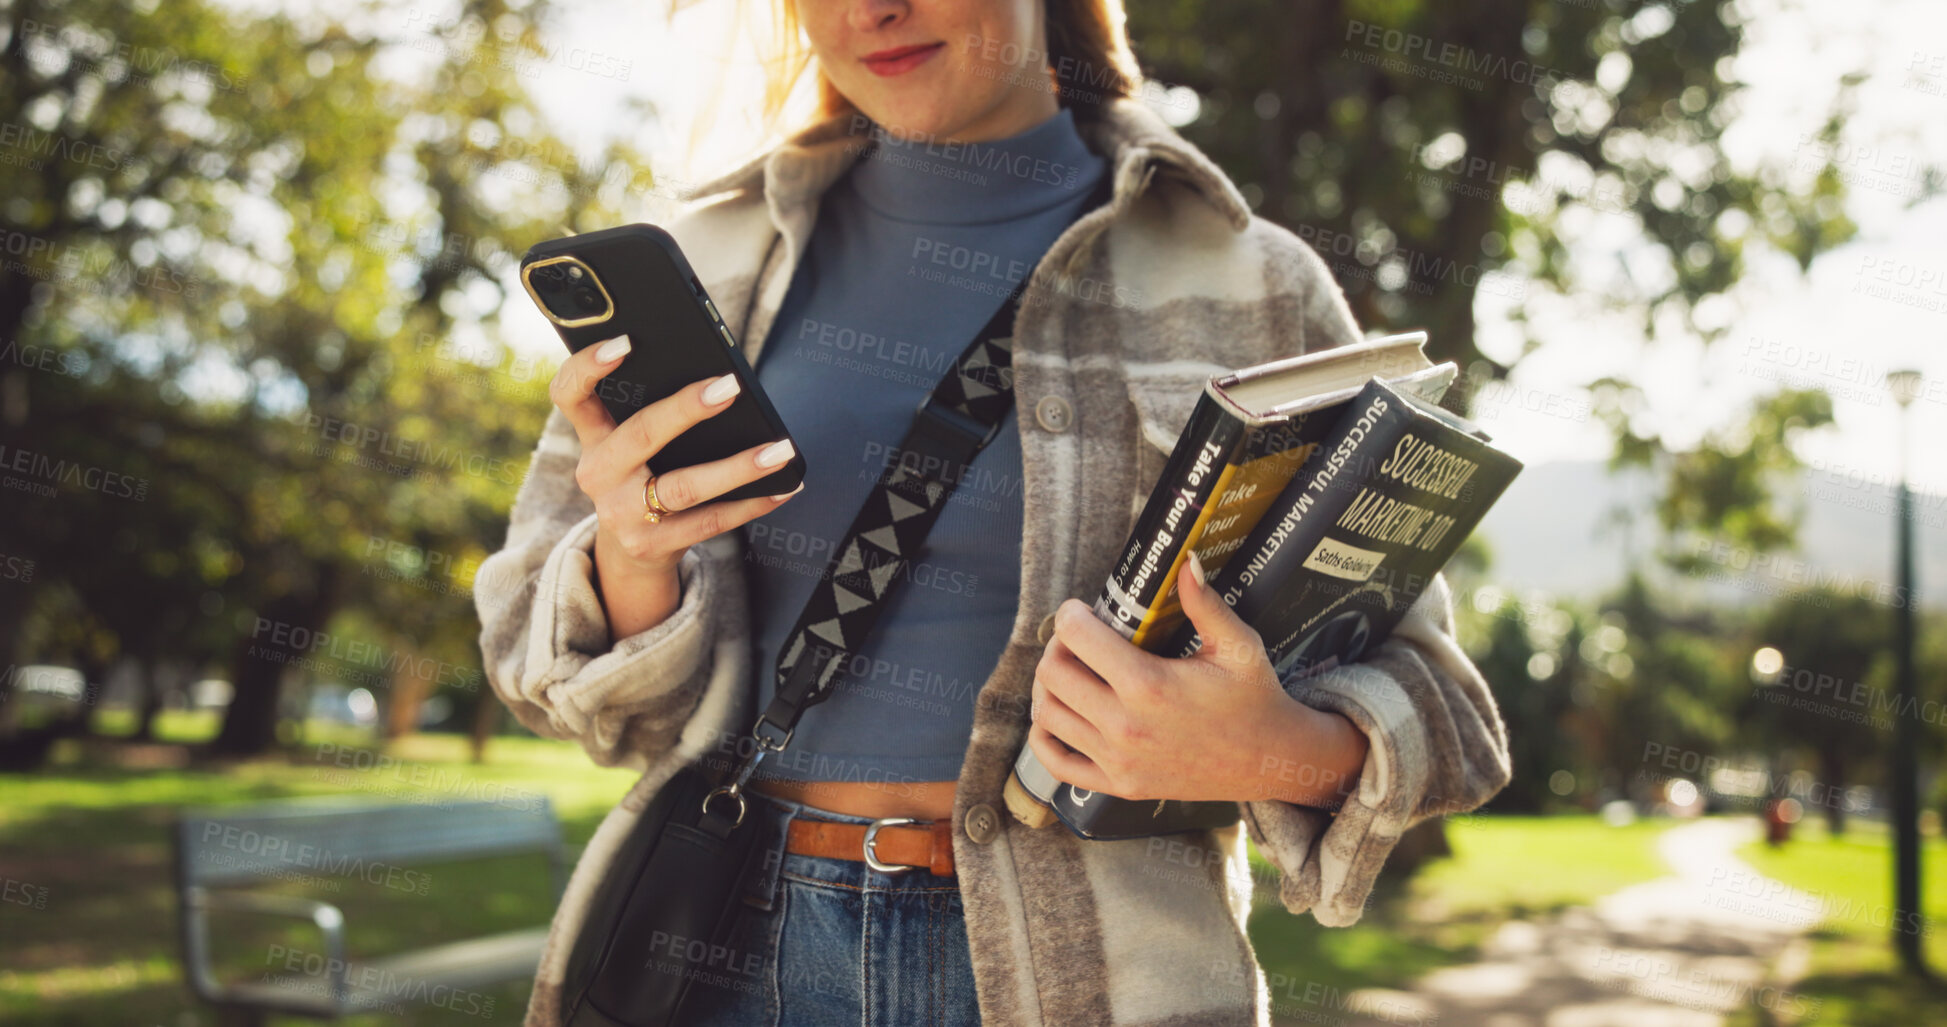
1502,867
1519,866
1854,975
170,725
92,839
87,843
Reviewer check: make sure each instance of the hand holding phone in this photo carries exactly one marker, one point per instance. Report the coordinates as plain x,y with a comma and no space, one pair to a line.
614,463
656,391
634,281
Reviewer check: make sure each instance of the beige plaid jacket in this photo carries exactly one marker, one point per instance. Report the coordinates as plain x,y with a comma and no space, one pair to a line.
1133,306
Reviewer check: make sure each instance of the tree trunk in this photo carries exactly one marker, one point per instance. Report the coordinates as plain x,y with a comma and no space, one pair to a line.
250,724
486,720
13,612
409,691
1419,845
1832,765
257,668
151,701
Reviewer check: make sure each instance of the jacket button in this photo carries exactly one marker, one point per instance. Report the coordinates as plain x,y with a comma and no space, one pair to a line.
982,823
1054,414
1047,629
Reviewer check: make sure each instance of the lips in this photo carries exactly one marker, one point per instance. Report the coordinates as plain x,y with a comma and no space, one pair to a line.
902,59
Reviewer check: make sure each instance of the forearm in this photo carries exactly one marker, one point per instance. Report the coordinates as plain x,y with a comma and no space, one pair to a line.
635,599
1307,757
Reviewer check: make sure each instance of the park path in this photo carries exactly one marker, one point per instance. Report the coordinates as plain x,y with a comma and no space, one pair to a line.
1678,951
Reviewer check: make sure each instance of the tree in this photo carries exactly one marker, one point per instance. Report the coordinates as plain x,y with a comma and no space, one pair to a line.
1831,695
269,333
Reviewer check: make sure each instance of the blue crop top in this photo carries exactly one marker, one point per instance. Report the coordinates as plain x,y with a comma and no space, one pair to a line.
914,249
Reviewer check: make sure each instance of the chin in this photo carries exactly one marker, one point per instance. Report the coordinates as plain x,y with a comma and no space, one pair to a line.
927,121
930,113
905,121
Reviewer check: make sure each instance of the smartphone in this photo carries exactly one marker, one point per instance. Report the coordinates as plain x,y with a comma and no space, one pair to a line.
634,281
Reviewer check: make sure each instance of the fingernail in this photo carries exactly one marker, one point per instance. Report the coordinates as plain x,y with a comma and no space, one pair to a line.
782,496
612,349
721,389
775,453
1196,568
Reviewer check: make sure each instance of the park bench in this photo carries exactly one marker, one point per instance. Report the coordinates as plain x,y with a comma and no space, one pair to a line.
222,853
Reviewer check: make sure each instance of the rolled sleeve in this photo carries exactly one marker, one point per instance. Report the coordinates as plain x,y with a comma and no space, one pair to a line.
1435,745
545,634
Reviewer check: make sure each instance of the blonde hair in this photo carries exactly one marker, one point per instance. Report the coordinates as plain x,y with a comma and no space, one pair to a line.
1088,49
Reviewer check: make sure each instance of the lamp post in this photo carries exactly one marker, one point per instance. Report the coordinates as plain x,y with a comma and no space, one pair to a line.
1905,385
1767,667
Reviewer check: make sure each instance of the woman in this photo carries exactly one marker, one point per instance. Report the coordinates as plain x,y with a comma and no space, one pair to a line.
954,154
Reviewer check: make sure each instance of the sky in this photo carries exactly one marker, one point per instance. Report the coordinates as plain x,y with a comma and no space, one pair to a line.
1876,303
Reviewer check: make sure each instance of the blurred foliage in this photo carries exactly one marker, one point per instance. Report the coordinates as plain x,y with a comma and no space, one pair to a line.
1424,147
1442,154
253,260
1618,699
1587,691
1838,664
1730,486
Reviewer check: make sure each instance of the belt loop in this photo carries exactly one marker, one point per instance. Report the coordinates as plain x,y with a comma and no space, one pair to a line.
943,847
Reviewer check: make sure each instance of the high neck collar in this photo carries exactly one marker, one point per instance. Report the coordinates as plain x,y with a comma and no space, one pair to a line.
794,172
934,182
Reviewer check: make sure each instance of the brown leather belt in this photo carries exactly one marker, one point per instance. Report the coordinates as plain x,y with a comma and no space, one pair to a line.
893,845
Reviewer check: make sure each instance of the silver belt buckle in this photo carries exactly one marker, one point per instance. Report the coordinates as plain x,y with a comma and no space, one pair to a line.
872,856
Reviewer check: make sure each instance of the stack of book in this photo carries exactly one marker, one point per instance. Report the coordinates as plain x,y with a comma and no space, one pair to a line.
1321,493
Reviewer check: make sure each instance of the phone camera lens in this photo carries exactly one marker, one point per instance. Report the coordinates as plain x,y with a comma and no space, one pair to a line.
569,291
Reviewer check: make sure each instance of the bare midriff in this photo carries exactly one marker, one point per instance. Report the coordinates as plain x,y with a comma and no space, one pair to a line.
921,800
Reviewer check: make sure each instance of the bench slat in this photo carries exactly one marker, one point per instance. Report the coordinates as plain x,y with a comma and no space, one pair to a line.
225,846
444,976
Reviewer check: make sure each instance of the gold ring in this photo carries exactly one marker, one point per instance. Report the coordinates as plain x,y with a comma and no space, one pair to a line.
654,510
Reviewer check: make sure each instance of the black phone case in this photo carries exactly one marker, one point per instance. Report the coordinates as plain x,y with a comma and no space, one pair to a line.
677,337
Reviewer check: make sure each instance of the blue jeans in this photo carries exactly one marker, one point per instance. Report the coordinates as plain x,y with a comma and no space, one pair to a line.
821,942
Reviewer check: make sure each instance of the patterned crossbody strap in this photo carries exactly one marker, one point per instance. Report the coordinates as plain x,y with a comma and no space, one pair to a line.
953,424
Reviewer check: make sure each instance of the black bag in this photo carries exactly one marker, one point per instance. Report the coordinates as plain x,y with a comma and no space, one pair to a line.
663,911
660,920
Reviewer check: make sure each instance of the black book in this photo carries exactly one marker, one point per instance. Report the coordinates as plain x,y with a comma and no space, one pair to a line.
1358,535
